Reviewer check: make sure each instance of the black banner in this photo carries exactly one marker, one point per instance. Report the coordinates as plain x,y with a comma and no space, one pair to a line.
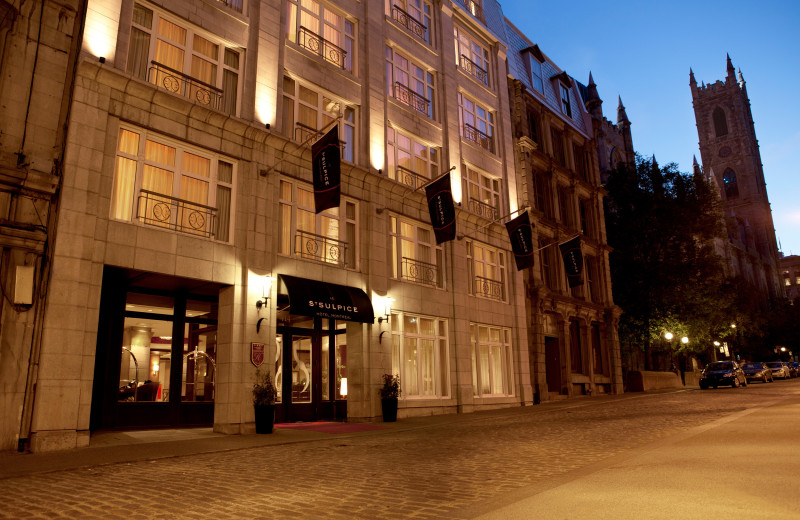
326,157
442,209
573,261
521,236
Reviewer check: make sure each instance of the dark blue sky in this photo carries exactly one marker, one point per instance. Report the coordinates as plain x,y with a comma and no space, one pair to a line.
642,51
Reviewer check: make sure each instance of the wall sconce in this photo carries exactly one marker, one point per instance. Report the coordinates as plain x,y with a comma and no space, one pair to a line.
383,305
343,387
266,292
155,369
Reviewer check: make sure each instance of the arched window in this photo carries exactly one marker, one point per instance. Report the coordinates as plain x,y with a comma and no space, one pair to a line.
731,188
720,123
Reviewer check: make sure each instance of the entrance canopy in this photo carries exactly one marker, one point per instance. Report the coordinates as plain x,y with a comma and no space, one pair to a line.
327,300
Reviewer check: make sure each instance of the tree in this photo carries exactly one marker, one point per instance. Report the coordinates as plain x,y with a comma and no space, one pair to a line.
664,227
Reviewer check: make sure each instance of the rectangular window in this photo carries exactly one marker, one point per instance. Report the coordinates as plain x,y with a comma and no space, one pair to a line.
575,354
587,217
416,256
415,16
547,251
306,112
591,279
566,105
175,56
328,237
319,29
410,161
581,162
544,195
558,146
492,360
409,83
482,193
797,277
564,206
486,267
420,355
536,74
169,184
476,123
533,126
597,348
471,55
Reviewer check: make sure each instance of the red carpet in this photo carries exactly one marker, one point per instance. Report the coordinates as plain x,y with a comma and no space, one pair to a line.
330,427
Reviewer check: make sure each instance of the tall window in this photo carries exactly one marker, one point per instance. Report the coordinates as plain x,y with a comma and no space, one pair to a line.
476,123
731,186
592,270
597,349
587,217
487,270
533,126
471,55
558,146
547,250
410,161
544,193
415,16
319,29
409,83
581,162
492,361
173,55
416,256
307,111
720,122
575,354
566,104
329,236
536,74
172,185
482,193
420,354
564,209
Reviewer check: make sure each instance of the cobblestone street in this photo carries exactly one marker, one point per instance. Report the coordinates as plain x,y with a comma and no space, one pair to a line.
425,468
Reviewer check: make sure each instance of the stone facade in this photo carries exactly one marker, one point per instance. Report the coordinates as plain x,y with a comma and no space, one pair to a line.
222,100
790,272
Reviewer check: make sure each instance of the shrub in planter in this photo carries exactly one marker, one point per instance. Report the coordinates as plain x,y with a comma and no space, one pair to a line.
264,396
389,392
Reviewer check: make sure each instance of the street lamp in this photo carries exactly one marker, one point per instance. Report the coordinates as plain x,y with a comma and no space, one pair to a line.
684,340
668,335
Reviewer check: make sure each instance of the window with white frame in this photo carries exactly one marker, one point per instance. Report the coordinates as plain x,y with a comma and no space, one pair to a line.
420,354
409,83
307,111
476,123
328,236
492,361
172,185
416,257
482,193
472,56
410,161
486,268
536,74
174,55
318,28
566,104
414,15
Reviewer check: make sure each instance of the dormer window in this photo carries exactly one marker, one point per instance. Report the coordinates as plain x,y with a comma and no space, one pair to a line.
564,85
535,60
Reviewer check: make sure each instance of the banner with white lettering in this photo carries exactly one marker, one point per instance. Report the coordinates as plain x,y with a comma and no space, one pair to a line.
441,208
326,160
573,261
521,236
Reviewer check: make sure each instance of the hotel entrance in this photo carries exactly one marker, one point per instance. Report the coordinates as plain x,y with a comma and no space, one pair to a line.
311,355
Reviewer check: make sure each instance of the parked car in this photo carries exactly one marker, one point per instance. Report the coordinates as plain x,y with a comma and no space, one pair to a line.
795,365
792,369
723,373
757,372
779,369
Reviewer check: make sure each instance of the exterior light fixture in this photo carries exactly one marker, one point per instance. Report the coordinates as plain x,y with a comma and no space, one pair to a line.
343,387
266,292
733,325
684,340
716,343
382,305
668,335
102,59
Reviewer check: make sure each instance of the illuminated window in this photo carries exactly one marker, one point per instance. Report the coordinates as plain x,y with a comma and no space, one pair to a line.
729,181
410,161
318,28
415,16
409,82
476,123
416,256
492,360
486,267
482,193
471,55
420,354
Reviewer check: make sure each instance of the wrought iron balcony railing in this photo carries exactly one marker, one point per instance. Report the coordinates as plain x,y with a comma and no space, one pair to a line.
483,209
408,97
419,271
320,248
236,5
184,85
409,178
413,25
319,45
155,209
489,288
476,136
473,69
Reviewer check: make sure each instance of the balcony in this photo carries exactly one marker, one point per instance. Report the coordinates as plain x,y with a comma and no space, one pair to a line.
319,45
179,83
482,209
411,24
473,8
419,271
155,209
476,136
409,178
472,68
489,288
408,97
320,248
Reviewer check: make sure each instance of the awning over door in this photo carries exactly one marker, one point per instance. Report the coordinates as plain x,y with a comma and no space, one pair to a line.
327,300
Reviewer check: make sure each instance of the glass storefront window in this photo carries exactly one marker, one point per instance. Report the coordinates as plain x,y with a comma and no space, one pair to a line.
199,352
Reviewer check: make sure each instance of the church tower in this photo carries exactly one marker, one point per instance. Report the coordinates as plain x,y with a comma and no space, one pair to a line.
731,158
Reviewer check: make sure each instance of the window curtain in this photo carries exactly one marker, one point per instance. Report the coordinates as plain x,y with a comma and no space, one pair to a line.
138,53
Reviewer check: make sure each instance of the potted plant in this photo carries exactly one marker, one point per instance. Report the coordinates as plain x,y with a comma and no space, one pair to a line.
389,392
264,396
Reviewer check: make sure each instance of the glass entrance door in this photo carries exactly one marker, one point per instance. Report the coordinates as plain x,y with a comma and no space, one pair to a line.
297,375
